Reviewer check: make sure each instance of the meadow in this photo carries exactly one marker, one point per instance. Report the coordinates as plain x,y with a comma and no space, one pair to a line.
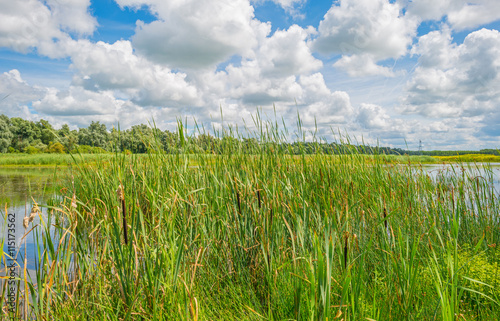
40,160
478,158
266,236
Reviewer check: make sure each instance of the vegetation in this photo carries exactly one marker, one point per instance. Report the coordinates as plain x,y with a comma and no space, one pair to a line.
261,235
478,158
23,136
49,159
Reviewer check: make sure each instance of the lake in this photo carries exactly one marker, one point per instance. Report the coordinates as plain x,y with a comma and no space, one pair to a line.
20,190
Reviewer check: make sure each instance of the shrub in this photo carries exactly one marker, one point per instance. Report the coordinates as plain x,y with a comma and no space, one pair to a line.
32,150
56,148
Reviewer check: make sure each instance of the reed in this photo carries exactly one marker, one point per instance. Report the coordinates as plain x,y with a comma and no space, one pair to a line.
265,235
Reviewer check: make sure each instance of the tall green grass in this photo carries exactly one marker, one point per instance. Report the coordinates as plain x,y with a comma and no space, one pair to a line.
267,236
49,159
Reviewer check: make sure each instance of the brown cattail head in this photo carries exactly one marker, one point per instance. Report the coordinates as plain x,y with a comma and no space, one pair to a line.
239,202
346,248
385,217
121,197
119,192
35,210
73,201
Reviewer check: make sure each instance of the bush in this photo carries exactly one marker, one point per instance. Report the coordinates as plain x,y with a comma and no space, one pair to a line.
32,150
86,149
56,148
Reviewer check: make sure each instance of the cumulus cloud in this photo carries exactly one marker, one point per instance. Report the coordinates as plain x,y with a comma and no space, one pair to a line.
103,66
461,82
362,65
73,15
15,94
367,26
365,32
456,80
287,53
270,77
317,101
460,14
77,101
26,24
372,117
292,7
30,24
197,34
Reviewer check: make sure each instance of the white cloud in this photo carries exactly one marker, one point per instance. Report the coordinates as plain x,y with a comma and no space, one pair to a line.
362,65
457,81
373,117
292,7
73,15
77,101
436,49
197,34
460,14
317,101
365,32
103,66
29,24
376,27
15,93
24,24
287,53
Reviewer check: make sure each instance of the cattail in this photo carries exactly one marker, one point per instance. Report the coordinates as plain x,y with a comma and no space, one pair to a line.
346,249
239,202
28,219
258,197
121,197
385,217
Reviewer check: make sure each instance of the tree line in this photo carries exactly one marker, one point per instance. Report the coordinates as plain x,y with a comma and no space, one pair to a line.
18,135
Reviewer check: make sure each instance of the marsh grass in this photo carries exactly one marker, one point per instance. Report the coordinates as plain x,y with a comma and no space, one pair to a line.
267,236
19,160
474,158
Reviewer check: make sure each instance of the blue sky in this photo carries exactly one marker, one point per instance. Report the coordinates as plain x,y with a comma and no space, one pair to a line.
392,72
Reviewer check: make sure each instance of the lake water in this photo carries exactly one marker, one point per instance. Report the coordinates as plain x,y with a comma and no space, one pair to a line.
20,190
488,172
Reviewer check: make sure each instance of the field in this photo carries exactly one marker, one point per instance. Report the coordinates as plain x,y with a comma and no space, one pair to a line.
38,160
266,236
478,158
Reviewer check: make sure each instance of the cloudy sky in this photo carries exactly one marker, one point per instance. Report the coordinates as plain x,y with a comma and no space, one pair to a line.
394,71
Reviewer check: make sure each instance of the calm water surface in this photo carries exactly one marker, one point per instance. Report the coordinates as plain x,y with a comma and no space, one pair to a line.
20,190
488,172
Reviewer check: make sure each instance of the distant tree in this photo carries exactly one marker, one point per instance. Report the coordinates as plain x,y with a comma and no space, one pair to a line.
56,148
45,131
67,137
95,135
5,136
23,133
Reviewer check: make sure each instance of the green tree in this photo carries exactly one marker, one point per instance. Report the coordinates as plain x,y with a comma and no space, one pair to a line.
5,136
23,133
95,135
45,130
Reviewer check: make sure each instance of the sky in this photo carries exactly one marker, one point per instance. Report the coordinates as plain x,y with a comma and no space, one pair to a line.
389,73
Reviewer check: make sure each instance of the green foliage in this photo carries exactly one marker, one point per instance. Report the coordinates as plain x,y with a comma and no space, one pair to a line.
32,150
56,148
255,233
5,136
19,134
481,158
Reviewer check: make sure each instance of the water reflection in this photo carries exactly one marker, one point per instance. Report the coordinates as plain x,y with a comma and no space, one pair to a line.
488,172
20,190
